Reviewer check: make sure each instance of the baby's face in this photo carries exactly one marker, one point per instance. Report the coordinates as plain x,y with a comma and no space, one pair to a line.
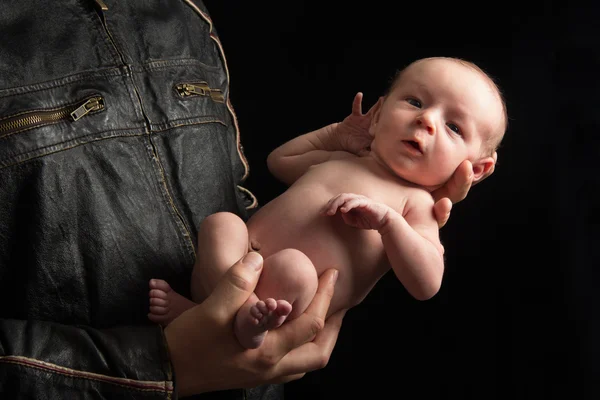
439,114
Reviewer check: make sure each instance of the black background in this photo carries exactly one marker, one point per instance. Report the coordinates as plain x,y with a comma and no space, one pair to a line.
516,315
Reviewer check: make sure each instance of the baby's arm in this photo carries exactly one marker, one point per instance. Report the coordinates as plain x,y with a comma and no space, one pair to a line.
339,140
292,159
411,242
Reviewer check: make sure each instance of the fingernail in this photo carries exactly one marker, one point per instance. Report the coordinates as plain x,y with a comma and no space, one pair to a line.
253,260
334,278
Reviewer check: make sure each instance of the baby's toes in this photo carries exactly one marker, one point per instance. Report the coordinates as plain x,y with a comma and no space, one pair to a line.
284,308
271,304
256,313
262,307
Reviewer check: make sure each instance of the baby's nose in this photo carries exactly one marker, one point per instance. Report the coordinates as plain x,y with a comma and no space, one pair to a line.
427,124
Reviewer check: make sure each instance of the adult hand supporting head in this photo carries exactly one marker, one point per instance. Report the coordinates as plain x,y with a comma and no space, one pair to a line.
455,190
207,356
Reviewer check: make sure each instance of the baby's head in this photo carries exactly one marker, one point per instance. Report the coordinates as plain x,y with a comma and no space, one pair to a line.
437,113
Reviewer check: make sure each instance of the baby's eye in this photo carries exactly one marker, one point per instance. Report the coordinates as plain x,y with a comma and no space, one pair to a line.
454,128
414,102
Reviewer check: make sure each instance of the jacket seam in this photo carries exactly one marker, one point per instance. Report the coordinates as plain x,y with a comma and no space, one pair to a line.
138,385
5,164
180,122
63,81
157,65
212,35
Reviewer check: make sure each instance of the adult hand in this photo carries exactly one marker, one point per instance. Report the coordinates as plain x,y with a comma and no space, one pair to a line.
455,190
207,356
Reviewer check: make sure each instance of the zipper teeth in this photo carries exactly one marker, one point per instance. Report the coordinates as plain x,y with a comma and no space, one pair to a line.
39,118
32,119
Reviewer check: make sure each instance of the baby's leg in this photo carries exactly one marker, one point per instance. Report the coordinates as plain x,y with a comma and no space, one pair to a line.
288,276
222,241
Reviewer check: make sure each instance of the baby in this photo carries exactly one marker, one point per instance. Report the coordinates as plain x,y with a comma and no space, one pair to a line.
361,211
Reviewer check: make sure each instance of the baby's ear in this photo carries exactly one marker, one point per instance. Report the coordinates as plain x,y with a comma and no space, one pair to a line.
376,114
482,168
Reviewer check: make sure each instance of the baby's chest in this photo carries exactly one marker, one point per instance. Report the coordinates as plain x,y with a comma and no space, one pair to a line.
392,195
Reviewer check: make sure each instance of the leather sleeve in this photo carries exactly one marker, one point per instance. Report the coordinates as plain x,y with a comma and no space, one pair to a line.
46,360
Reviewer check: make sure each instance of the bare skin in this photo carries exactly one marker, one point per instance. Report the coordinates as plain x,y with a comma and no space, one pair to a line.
203,347
381,211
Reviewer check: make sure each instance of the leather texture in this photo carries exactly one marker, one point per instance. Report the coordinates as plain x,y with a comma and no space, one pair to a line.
91,209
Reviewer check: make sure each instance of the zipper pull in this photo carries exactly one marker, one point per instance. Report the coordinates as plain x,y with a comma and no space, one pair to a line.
102,5
200,89
93,104
186,89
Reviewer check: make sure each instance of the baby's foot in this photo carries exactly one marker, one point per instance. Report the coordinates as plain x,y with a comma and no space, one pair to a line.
251,326
165,303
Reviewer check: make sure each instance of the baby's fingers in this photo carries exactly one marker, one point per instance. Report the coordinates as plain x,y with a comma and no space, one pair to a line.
332,205
353,203
357,104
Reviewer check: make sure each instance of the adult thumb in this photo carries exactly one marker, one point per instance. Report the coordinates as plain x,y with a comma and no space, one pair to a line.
236,285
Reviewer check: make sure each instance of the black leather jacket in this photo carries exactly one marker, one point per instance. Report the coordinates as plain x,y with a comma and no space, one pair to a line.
116,139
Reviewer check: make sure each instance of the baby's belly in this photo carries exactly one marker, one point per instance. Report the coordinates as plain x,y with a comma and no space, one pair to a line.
328,242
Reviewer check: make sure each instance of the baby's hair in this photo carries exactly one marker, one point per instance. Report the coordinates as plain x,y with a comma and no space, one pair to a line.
493,141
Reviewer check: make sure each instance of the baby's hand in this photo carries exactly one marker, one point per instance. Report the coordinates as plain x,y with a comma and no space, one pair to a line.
358,211
352,134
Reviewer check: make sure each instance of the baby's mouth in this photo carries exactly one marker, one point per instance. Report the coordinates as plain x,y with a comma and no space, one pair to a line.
414,144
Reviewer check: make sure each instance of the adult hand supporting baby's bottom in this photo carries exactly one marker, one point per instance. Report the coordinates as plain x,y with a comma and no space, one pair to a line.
207,356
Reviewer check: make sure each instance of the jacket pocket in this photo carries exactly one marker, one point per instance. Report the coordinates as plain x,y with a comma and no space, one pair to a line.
31,119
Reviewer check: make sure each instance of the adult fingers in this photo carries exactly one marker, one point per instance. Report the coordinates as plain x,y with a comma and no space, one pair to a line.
458,185
327,338
303,329
316,354
236,286
441,211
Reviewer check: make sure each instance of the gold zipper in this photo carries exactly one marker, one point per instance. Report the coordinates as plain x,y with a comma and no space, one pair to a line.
102,5
31,119
200,89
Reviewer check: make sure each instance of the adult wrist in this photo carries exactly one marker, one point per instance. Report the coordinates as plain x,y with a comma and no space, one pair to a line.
179,374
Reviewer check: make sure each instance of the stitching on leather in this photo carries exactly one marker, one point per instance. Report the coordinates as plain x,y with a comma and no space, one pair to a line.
152,386
40,109
97,22
3,137
12,156
169,125
34,111
3,165
165,191
229,105
181,62
67,80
